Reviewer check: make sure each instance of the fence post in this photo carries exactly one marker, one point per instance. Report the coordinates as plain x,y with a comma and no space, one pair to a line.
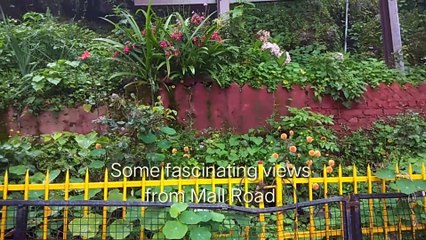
21,223
354,221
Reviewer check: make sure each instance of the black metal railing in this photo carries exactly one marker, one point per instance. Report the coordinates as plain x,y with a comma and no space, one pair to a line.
363,216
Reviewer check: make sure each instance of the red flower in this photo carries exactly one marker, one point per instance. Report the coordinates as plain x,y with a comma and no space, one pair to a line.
197,19
177,52
216,37
168,53
177,36
126,49
116,55
194,40
85,55
164,44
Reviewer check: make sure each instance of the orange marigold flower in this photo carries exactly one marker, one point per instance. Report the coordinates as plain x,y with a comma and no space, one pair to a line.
309,139
309,162
174,151
331,163
283,136
317,153
291,132
329,169
186,155
186,149
275,155
98,146
315,186
311,153
292,149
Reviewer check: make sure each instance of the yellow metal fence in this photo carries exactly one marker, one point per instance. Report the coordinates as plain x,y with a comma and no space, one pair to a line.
286,190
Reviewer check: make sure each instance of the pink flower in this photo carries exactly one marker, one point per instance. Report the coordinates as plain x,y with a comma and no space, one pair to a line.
177,52
177,36
273,48
263,35
168,53
85,55
216,37
126,49
197,19
164,44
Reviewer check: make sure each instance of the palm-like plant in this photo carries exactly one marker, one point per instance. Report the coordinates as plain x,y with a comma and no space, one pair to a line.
139,52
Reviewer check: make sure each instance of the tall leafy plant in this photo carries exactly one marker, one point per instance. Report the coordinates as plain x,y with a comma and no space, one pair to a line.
138,53
21,50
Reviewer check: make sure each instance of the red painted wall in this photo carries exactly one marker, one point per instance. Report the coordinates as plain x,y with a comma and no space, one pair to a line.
242,108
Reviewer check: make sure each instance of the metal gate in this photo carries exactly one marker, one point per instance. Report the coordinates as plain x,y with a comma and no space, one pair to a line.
353,217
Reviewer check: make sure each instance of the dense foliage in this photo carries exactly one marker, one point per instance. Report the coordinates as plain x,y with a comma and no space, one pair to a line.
42,67
141,135
50,65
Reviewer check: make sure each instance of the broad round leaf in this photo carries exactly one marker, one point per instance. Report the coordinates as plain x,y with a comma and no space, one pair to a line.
200,233
177,208
119,229
86,227
406,186
153,218
387,174
217,217
189,217
205,216
174,230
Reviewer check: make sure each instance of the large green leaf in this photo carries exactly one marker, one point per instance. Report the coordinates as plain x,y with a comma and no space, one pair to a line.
177,208
53,175
217,217
174,230
200,233
119,229
168,130
406,186
114,195
147,138
189,217
386,173
18,170
153,218
205,216
85,141
86,227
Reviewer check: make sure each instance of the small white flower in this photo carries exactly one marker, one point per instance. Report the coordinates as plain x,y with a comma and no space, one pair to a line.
339,56
288,58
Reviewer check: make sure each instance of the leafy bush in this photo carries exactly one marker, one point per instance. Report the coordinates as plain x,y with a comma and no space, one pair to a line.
40,39
397,140
171,47
43,69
